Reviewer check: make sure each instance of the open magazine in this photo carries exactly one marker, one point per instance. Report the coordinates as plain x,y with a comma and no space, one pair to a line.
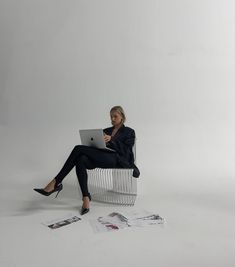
120,220
59,222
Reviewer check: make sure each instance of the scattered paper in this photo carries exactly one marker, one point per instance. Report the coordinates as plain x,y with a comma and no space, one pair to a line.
59,222
116,220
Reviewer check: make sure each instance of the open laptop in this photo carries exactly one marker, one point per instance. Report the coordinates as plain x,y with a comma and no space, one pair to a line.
94,138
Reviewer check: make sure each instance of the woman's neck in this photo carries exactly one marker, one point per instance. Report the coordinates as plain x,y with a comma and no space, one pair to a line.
118,126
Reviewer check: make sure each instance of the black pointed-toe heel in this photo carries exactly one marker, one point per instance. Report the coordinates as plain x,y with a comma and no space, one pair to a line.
57,188
85,210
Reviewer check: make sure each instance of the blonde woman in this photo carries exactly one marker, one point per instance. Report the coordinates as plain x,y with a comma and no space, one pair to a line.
118,137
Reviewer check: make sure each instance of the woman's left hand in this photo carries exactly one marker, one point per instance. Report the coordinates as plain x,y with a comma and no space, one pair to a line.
107,138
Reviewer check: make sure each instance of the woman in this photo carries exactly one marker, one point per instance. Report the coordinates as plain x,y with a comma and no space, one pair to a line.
118,137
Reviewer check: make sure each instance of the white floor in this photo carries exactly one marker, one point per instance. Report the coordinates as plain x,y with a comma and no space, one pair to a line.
199,229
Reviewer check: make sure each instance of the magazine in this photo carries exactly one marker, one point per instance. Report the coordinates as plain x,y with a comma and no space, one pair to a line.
57,223
121,220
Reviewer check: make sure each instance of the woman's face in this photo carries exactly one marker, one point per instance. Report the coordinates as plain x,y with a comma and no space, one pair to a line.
116,118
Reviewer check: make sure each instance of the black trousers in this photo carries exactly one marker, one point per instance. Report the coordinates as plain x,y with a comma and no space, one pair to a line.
84,157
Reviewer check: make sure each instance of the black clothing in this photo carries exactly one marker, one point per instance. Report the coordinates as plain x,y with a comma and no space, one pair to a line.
122,142
85,157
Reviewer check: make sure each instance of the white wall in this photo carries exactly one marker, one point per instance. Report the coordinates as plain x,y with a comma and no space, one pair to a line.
169,63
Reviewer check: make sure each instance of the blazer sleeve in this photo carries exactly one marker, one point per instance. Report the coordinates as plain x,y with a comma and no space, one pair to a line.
123,142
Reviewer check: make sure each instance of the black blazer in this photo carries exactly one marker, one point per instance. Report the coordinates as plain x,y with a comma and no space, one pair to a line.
122,142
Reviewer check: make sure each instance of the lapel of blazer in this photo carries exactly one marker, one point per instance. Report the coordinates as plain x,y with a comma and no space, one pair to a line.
119,132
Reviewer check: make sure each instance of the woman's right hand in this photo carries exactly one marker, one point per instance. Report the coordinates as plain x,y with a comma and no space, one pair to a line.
107,138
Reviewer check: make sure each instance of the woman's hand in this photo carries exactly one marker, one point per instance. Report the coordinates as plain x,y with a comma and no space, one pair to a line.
107,138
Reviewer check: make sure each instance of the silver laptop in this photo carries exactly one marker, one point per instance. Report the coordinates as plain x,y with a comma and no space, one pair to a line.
93,138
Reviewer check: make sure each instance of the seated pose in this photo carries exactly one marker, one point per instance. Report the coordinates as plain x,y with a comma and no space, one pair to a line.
119,137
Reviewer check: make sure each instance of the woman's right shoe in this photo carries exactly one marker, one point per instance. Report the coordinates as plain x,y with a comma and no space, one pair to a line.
57,188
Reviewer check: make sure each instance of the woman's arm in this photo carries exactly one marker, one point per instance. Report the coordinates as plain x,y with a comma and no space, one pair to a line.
127,139
122,142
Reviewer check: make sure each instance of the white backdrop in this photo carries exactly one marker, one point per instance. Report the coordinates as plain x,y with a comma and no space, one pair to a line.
170,64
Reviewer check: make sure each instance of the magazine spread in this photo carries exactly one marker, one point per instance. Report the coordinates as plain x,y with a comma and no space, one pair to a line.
59,222
116,220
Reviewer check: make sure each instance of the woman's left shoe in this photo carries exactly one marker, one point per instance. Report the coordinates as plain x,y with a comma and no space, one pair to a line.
85,210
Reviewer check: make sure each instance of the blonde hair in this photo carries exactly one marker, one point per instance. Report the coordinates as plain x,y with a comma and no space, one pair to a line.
120,110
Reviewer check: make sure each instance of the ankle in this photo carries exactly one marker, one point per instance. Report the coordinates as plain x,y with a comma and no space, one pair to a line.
86,204
51,185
